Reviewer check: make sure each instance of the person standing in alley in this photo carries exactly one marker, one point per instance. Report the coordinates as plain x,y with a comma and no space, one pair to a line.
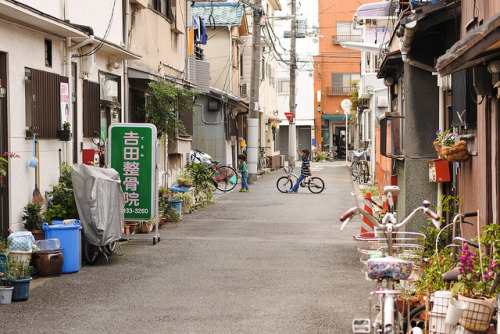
243,170
305,170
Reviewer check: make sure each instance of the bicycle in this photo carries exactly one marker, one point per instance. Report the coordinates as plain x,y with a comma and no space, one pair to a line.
263,161
479,315
360,170
314,184
224,177
378,252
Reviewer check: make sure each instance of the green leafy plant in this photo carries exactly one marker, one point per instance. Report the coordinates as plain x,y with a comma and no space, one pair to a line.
187,198
200,174
32,217
165,103
184,178
61,200
446,138
321,156
66,126
433,268
4,244
16,270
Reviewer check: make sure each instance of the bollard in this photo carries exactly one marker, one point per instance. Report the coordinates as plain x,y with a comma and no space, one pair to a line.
367,226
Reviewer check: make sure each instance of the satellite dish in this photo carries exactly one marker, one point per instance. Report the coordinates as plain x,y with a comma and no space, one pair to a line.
346,105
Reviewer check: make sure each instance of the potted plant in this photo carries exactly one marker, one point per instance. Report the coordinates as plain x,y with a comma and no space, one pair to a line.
147,226
65,133
18,275
4,245
32,220
448,147
61,203
187,198
184,179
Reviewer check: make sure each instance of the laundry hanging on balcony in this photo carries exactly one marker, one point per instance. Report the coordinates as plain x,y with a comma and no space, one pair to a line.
200,31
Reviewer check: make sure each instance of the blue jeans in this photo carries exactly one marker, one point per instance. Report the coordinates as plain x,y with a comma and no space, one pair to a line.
296,186
244,184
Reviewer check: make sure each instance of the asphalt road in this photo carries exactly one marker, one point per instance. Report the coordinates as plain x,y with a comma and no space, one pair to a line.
257,262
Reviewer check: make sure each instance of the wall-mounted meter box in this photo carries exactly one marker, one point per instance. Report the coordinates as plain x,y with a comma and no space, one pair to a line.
439,170
90,157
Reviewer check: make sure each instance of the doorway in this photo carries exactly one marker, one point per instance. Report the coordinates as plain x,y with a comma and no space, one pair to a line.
4,182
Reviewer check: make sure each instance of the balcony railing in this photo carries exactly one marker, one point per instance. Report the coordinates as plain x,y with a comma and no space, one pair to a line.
337,39
339,90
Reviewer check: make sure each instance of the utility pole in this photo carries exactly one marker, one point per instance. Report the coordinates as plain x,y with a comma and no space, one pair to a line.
253,119
292,141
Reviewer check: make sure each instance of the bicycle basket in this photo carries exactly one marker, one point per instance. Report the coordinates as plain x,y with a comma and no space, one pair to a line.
358,156
408,246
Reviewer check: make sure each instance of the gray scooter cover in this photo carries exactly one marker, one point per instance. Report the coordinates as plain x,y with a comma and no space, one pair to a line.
99,199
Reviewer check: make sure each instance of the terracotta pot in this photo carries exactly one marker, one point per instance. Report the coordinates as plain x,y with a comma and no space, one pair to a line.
146,228
38,234
132,227
126,229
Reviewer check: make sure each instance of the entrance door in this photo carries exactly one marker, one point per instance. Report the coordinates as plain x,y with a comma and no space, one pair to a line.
340,138
304,134
4,189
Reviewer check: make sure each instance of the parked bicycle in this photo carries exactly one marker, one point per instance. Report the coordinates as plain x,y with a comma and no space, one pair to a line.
263,162
479,314
389,256
360,170
284,183
224,177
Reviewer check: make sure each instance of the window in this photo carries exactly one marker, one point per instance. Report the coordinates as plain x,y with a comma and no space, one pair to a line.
241,64
345,33
43,102
163,7
341,83
284,86
48,53
101,105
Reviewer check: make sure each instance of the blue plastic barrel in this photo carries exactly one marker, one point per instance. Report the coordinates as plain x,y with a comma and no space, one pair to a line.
177,205
70,240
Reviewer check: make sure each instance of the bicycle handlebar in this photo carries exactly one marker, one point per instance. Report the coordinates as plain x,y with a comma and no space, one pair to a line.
346,217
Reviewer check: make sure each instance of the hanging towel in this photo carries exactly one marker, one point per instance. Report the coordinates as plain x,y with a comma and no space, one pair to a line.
203,32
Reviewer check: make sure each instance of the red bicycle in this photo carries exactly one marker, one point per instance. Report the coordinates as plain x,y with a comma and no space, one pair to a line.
224,177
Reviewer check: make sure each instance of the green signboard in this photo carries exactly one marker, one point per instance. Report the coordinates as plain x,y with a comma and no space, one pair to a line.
132,155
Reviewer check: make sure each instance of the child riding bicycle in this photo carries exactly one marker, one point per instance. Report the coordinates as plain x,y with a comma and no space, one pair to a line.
305,170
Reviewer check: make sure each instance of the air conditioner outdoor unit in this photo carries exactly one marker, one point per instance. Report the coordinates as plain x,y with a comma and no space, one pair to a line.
244,89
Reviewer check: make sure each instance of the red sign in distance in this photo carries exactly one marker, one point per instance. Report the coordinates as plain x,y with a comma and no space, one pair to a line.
289,115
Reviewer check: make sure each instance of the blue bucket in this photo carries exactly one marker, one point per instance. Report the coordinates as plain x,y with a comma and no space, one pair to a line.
70,240
177,205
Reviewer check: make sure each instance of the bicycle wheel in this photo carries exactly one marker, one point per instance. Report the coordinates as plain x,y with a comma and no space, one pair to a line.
111,247
284,183
316,185
366,172
91,252
225,178
416,318
354,171
265,162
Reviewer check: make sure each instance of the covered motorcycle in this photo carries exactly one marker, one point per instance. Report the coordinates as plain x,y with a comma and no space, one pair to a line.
99,199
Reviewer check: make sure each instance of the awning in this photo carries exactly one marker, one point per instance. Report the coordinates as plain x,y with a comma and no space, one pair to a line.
335,117
378,10
367,47
477,46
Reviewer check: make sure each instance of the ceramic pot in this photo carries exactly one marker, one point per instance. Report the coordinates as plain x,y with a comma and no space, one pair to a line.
38,234
48,262
146,228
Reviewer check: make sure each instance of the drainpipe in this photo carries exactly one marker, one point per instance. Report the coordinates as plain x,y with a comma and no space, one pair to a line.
67,148
126,96
440,189
87,41
405,47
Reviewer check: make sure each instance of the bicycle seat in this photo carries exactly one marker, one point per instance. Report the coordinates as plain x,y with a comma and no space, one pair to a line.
394,190
389,267
451,275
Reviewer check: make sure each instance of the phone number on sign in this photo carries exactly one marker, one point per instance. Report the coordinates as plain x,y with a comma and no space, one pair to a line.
136,210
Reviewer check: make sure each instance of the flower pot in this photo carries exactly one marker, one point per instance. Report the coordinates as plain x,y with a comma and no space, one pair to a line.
478,312
38,234
24,256
48,262
457,153
132,227
21,288
126,229
146,228
6,294
64,135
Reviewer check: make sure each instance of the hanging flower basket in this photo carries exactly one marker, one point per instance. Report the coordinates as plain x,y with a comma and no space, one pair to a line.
457,152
